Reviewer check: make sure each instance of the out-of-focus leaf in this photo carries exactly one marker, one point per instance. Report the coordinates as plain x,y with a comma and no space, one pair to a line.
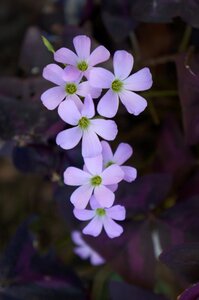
121,290
188,83
191,293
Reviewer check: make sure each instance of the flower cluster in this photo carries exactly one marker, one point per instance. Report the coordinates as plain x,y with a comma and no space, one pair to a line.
78,82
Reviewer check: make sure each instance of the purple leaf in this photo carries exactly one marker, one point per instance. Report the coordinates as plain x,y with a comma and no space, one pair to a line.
191,293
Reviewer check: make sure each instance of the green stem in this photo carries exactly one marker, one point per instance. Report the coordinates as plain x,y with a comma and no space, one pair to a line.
185,39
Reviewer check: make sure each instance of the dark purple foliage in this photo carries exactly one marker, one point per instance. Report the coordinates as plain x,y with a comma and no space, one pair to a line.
191,293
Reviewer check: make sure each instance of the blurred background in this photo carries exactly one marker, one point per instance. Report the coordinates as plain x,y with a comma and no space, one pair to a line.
157,257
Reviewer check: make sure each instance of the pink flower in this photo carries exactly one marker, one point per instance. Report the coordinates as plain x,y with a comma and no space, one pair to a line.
85,127
95,180
101,218
68,87
121,155
120,85
85,251
83,60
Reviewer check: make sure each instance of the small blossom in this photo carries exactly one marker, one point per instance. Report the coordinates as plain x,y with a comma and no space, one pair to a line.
121,155
85,127
94,181
68,87
83,60
84,251
101,218
121,86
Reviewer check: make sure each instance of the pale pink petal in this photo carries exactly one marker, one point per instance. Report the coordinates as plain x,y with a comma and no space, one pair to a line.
107,129
76,100
88,109
54,73
122,64
53,97
104,196
111,175
72,74
69,138
134,103
65,56
94,228
82,44
112,228
107,153
99,55
81,196
94,164
83,251
94,204
77,238
108,104
101,78
116,212
139,81
96,259
74,176
83,214
69,112
130,173
91,145
85,88
113,187
123,153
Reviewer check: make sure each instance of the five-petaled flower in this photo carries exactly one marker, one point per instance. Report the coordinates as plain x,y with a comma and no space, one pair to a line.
85,127
84,251
101,217
68,87
83,61
93,181
121,85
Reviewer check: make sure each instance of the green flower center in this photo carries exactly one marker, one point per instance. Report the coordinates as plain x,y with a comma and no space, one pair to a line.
109,163
117,85
82,66
71,88
100,212
96,180
84,123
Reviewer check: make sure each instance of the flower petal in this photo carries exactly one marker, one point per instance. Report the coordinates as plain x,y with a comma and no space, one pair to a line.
53,97
113,187
74,176
69,138
94,228
83,251
101,78
94,204
108,104
81,196
104,196
94,164
72,74
82,44
84,214
91,145
66,56
116,212
99,55
88,109
130,173
96,259
77,238
69,113
107,129
54,73
122,64
85,88
112,228
76,100
134,103
123,153
107,153
139,81
111,175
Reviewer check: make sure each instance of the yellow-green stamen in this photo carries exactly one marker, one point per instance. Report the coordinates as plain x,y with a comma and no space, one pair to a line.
117,85
82,66
100,212
71,88
84,123
96,180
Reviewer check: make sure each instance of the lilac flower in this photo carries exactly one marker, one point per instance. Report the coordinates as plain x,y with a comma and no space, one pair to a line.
121,86
85,128
101,217
95,180
83,60
68,87
121,155
85,251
